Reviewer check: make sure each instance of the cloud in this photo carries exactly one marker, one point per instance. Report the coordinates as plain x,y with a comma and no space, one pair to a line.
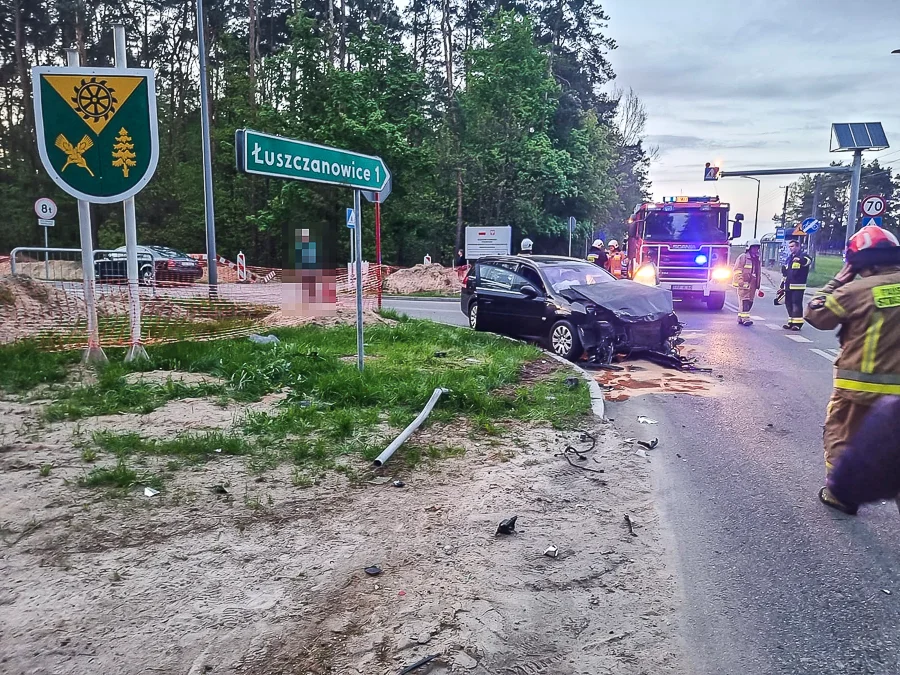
669,142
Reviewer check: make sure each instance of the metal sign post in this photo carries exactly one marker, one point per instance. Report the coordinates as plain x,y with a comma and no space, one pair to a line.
212,257
97,138
278,157
45,208
572,223
357,232
135,348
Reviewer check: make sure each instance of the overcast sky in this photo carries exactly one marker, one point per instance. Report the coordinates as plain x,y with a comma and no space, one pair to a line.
755,84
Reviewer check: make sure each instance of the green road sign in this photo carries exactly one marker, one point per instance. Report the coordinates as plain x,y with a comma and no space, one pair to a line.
278,157
96,129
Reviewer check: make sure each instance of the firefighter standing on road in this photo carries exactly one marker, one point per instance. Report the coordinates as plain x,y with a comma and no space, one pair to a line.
614,259
597,254
746,279
795,271
867,310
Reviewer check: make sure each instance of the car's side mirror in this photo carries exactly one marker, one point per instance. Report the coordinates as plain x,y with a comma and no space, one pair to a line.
736,230
529,291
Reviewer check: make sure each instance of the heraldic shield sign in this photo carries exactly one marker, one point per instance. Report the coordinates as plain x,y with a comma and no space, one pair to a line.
96,130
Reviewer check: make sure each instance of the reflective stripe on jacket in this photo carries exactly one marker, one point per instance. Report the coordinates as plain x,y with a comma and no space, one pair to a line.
867,310
796,272
746,274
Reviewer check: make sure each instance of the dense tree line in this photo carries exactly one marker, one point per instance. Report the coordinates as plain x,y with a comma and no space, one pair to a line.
488,114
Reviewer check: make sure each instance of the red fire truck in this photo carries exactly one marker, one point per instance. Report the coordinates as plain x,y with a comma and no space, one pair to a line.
682,244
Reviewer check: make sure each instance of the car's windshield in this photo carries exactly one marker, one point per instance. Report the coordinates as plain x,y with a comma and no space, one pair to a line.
167,252
566,275
692,226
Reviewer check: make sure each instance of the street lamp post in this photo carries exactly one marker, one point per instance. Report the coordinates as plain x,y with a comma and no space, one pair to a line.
755,217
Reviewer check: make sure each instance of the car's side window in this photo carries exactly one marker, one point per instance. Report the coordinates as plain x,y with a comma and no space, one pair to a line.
497,276
531,276
500,276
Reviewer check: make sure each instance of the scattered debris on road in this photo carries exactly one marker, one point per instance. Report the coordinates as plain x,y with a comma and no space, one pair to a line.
507,526
646,420
419,664
650,445
630,523
552,551
150,492
373,571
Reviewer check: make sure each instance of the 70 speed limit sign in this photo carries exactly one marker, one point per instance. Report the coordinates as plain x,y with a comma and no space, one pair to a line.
873,205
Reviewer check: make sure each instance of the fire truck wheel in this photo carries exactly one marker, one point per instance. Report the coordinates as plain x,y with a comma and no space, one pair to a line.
715,301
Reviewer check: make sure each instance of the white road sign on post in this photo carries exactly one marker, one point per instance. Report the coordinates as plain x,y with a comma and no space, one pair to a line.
483,241
874,205
45,208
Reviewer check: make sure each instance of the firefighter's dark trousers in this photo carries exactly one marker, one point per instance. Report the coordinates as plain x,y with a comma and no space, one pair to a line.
793,302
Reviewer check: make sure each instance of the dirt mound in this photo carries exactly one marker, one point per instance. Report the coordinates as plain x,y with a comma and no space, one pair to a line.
432,278
342,316
59,270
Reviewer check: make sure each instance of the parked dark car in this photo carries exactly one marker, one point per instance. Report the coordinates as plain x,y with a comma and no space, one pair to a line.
572,306
155,264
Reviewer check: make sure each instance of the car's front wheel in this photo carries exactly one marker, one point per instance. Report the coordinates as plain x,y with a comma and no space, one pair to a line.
473,316
564,341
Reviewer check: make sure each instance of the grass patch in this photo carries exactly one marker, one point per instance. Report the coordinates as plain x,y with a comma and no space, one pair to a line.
24,365
826,267
88,455
45,470
120,476
114,394
331,409
189,445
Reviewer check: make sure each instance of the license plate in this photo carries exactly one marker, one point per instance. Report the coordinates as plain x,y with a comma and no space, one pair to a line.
682,287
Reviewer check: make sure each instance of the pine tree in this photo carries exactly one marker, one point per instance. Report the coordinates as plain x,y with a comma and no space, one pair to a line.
123,152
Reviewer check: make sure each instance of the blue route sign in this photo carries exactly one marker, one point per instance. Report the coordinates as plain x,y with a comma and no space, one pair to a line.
872,220
351,219
810,225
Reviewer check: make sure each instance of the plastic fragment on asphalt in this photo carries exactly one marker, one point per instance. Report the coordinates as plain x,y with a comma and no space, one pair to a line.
399,484
150,492
885,591
650,445
373,571
507,526
552,551
640,452
646,420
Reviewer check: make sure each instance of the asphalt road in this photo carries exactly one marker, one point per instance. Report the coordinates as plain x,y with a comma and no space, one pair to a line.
772,581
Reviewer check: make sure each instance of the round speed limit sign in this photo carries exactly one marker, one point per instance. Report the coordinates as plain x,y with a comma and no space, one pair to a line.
45,208
873,206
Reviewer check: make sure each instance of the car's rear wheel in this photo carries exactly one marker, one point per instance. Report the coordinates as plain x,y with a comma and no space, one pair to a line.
473,316
564,341
715,301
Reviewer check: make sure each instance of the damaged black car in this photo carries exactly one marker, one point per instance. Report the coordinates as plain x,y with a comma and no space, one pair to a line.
573,307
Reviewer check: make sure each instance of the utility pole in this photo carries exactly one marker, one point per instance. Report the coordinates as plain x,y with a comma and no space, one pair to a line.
854,194
784,209
211,255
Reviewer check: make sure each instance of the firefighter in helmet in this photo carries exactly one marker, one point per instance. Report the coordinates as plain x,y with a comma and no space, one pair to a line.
746,279
597,254
795,271
863,300
526,246
614,259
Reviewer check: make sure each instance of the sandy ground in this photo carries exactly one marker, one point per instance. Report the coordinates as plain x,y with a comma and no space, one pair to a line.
269,578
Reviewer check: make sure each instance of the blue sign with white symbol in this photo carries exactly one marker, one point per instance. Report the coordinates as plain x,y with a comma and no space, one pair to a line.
872,220
351,219
810,225
780,233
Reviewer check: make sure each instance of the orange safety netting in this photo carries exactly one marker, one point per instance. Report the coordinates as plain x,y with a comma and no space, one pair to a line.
53,313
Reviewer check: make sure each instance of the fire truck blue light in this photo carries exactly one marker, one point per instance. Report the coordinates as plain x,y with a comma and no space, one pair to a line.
701,259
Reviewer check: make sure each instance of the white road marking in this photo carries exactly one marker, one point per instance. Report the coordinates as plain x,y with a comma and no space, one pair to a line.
836,352
757,318
824,354
797,338
733,308
773,326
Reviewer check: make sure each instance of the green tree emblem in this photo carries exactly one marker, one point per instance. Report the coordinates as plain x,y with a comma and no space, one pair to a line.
123,152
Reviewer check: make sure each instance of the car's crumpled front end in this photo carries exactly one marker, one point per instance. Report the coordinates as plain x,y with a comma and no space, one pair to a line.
625,318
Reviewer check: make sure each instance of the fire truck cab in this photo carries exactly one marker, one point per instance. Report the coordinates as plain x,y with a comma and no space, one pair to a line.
682,244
